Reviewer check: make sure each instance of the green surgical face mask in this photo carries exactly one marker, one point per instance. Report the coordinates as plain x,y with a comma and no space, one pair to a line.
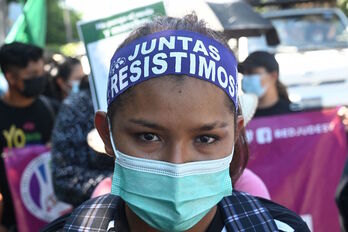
167,196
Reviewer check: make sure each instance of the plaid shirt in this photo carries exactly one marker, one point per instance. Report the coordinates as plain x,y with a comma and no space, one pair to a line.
95,215
241,212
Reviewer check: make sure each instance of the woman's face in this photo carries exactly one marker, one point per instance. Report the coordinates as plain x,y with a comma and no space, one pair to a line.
75,77
267,78
76,73
173,121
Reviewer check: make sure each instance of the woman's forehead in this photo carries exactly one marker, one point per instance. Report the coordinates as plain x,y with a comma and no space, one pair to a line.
175,96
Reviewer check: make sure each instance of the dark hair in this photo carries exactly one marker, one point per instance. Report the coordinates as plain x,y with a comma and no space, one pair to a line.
265,60
189,22
18,55
282,92
66,68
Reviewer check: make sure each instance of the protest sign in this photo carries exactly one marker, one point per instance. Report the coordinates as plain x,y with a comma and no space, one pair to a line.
101,38
300,157
35,203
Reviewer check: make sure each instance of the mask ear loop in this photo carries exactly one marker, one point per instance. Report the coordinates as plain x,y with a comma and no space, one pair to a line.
111,138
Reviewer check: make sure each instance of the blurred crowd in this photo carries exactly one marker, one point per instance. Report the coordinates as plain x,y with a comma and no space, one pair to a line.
49,101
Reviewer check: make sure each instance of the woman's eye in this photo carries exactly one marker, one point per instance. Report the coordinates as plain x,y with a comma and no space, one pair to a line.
149,137
206,139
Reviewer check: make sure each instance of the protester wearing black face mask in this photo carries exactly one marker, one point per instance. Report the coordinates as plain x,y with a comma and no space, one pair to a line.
23,111
34,86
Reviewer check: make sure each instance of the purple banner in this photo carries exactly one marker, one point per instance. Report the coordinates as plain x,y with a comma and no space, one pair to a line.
300,157
29,176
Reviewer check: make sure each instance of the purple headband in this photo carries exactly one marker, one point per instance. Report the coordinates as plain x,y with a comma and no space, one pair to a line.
173,52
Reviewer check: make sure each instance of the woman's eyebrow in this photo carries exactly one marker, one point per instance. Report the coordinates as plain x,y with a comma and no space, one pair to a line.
145,123
204,127
212,126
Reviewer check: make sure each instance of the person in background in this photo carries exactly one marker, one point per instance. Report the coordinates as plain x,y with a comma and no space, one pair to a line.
2,228
26,117
342,199
261,77
342,188
67,79
76,168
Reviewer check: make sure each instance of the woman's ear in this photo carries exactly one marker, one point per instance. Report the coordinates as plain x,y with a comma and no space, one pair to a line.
9,77
274,76
63,86
102,126
60,82
240,126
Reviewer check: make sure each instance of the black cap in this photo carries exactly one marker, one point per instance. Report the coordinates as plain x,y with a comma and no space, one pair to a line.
259,59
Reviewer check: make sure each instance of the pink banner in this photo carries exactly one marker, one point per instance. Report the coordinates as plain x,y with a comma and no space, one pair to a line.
29,176
300,157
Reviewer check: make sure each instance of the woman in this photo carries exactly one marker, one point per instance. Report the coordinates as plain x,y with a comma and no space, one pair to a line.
261,77
68,78
175,128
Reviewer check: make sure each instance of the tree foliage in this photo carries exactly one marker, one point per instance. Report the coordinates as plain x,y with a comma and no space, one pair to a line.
343,4
55,23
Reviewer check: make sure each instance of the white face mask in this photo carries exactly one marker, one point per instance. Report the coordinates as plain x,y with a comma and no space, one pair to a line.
167,196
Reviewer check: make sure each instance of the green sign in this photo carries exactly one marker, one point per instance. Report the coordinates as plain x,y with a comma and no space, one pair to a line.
103,36
30,27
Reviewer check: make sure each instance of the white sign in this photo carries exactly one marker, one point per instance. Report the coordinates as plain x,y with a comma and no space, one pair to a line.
101,38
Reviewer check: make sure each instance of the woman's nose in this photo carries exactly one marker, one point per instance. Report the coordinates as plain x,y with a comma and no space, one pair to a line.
178,152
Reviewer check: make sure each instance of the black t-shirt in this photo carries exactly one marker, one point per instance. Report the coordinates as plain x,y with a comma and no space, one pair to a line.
21,126
282,106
